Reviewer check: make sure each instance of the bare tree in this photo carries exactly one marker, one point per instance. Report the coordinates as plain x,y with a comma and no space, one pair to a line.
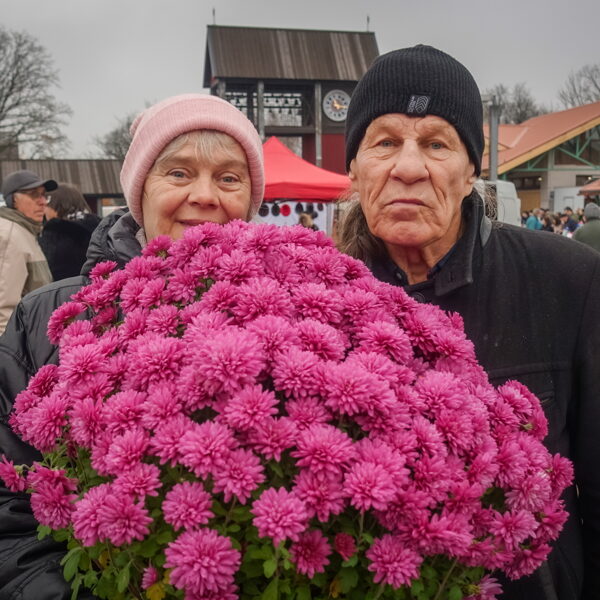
116,142
30,115
581,87
516,104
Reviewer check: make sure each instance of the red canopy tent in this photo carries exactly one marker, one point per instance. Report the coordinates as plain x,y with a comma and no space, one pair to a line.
289,176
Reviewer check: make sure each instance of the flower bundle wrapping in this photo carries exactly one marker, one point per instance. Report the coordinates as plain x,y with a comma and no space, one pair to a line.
248,413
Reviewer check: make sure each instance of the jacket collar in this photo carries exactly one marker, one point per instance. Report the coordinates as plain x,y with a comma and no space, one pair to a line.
12,214
455,269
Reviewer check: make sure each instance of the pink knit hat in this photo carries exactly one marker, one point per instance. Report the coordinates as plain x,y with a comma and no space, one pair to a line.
160,124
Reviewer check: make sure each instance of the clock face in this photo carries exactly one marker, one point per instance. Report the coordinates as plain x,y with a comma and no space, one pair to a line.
335,105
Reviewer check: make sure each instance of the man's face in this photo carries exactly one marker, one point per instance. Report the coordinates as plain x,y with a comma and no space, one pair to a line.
31,203
412,174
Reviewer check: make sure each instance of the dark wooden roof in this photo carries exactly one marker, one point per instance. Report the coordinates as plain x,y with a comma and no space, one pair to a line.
92,177
289,54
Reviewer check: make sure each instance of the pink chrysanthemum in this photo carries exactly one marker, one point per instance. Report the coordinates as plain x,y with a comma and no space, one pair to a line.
392,562
123,411
164,320
316,301
62,317
205,447
228,360
149,577
293,373
167,439
307,412
187,505
324,448
202,562
13,480
52,505
369,485
310,553
345,545
321,339
121,520
487,589
259,297
139,481
271,437
322,494
249,407
240,474
161,405
126,450
280,515
85,514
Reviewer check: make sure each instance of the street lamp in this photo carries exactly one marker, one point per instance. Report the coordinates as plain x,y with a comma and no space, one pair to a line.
493,120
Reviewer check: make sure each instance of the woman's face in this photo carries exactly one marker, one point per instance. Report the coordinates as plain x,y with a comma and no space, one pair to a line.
185,190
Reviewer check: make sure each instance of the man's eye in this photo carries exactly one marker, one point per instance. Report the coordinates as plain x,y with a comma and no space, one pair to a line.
386,143
437,145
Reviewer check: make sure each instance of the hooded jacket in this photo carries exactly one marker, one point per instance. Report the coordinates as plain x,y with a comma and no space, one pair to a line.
513,288
29,568
65,243
23,266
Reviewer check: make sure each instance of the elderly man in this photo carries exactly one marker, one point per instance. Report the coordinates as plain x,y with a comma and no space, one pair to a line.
590,232
23,266
414,143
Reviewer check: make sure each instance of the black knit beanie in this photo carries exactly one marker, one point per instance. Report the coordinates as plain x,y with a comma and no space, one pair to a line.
417,81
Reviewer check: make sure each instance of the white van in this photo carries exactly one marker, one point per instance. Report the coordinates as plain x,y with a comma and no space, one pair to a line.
507,203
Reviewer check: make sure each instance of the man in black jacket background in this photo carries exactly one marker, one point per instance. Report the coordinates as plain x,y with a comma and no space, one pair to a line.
414,142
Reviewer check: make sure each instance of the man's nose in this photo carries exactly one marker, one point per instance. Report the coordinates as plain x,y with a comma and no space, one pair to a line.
409,164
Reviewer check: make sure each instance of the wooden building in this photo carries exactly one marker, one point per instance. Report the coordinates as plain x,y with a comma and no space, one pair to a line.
291,83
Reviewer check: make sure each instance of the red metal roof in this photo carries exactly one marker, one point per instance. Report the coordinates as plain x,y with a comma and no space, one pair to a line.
519,143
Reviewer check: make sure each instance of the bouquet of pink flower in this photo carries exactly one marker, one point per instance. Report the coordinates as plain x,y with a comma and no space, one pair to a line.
248,413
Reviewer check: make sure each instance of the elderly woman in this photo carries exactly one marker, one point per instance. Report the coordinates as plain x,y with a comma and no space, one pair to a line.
193,159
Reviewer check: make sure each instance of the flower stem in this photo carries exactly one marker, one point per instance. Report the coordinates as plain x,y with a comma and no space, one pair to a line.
361,525
438,596
379,591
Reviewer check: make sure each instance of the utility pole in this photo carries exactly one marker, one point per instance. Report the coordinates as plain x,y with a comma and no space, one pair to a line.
493,120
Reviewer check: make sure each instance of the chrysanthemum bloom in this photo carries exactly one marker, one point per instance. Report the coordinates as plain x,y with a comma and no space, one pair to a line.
121,520
249,407
205,447
139,481
385,338
279,514
307,411
321,492
310,553
324,448
345,545
52,505
161,404
292,373
126,450
487,589
14,481
202,562
85,514
369,485
237,267
62,317
271,437
46,421
167,438
149,577
187,505
322,339
164,320
393,562
240,474
123,411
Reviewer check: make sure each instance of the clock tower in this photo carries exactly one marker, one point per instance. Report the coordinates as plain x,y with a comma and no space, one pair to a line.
292,83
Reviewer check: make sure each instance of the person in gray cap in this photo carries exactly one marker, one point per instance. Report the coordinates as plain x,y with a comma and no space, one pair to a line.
589,233
23,266
414,143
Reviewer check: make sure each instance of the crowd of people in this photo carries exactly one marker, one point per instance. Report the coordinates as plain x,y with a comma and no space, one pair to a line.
414,145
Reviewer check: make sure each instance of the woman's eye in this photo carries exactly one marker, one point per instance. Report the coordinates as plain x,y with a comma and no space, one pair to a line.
386,143
229,179
177,173
437,145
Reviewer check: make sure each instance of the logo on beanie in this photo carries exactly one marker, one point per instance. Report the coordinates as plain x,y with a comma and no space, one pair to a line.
417,105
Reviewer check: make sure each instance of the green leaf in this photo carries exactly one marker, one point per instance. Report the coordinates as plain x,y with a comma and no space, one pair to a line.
43,531
75,587
234,528
303,593
269,567
348,579
455,593
123,577
164,537
90,579
148,548
271,593
71,563
252,569
351,562
262,552
417,587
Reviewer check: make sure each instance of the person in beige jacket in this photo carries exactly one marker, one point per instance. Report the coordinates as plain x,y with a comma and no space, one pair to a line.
23,266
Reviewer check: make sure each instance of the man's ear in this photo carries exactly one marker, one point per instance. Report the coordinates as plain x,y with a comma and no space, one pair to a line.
351,173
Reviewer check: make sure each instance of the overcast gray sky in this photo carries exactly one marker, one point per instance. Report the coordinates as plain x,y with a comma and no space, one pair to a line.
114,56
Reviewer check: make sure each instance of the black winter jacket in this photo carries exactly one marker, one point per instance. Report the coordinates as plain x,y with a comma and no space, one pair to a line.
65,243
29,568
515,289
